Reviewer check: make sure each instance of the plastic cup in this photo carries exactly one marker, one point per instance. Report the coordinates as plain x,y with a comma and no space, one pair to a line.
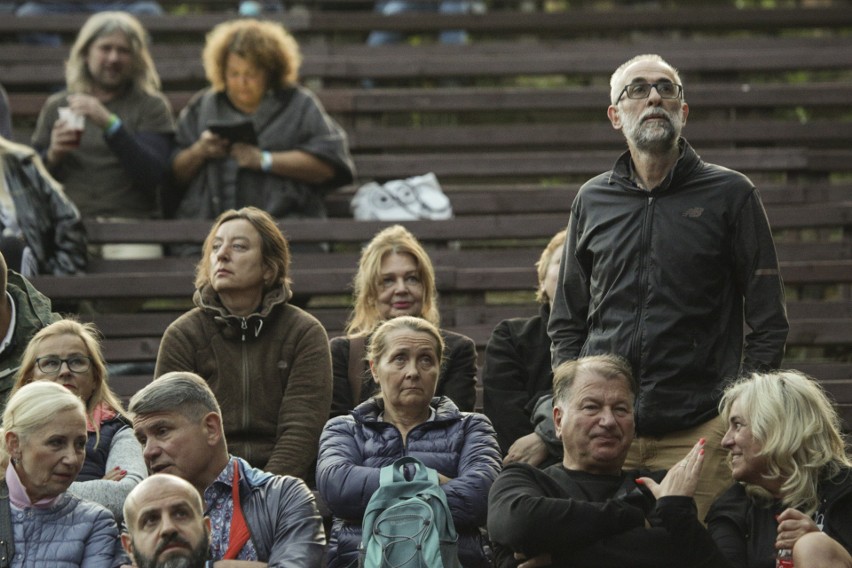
77,122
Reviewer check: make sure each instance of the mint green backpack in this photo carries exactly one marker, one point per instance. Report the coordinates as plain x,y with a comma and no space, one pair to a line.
408,523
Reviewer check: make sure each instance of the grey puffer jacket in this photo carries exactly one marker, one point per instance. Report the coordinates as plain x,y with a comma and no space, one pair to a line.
70,534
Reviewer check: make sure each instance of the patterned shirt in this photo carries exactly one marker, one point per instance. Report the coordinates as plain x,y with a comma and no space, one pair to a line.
220,509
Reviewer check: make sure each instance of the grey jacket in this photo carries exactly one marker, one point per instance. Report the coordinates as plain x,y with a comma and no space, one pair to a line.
71,534
282,517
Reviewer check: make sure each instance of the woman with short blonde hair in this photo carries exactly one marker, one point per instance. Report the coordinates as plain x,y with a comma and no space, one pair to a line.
407,417
42,448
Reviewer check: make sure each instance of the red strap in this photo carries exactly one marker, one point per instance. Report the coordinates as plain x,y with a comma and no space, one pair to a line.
239,529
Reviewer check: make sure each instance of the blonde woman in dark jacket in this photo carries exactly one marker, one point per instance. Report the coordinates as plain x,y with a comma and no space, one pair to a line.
266,361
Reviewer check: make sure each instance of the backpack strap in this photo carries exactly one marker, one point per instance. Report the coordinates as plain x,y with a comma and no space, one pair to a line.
357,351
7,535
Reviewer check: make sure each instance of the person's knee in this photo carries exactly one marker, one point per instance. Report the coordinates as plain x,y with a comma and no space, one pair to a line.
818,550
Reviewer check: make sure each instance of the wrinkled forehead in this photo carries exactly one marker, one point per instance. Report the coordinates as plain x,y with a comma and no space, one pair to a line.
648,71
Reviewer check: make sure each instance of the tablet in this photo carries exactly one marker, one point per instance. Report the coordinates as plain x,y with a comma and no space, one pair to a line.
234,131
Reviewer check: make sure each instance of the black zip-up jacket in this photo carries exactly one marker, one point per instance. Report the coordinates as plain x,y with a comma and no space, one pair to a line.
741,532
666,279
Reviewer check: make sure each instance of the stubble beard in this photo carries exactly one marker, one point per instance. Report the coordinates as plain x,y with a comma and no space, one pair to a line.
196,559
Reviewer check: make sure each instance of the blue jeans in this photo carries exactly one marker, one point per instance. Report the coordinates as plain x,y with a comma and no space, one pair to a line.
137,8
390,7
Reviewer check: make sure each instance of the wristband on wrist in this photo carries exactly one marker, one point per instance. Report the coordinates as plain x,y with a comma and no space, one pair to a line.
113,125
266,161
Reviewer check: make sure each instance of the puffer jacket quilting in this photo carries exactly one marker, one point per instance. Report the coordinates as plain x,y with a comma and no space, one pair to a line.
70,534
354,448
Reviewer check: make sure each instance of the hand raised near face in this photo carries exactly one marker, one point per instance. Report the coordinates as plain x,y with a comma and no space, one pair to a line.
682,478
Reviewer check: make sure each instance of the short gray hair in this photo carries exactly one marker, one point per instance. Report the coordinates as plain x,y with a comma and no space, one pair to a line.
616,81
607,366
179,390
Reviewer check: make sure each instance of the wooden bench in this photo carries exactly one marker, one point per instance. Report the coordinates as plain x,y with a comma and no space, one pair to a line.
513,128
470,265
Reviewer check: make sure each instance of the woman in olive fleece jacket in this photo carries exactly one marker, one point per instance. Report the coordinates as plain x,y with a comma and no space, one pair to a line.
267,362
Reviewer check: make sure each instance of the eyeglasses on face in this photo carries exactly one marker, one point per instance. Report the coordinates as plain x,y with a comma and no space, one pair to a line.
666,90
50,365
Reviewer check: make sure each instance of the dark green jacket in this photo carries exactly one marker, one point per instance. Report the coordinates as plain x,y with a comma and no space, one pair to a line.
33,311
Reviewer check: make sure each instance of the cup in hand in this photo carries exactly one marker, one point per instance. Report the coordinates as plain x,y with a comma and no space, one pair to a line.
76,122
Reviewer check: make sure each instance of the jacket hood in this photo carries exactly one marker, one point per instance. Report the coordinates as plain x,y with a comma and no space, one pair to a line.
208,300
27,297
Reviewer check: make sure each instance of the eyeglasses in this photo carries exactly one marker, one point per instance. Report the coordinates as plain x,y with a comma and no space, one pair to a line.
50,365
666,90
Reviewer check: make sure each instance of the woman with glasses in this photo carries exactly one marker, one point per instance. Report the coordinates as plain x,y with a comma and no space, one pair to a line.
68,352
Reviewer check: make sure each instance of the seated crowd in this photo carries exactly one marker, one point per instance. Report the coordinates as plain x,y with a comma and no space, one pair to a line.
251,407
77,460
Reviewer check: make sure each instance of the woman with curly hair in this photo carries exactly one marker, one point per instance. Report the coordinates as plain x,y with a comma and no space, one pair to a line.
295,153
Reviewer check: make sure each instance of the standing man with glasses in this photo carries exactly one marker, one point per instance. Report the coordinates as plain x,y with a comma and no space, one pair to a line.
667,256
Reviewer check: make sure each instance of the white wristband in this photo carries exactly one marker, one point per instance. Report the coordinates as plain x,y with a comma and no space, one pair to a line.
266,161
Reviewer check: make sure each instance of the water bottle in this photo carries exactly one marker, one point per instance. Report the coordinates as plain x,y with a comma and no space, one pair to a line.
784,558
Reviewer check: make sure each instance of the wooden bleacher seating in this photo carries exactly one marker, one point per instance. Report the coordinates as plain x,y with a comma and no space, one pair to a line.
512,124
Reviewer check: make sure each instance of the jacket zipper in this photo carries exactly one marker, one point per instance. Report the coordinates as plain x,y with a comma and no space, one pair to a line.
245,381
644,254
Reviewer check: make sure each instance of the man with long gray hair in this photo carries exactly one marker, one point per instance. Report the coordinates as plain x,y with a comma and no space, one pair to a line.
107,137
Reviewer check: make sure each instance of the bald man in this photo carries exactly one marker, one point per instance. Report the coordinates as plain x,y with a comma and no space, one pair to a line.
166,526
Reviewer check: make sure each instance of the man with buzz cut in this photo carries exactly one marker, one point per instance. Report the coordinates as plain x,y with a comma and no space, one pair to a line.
166,526
257,518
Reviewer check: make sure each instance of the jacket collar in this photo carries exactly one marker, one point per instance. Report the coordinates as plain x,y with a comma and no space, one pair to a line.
208,300
369,410
622,171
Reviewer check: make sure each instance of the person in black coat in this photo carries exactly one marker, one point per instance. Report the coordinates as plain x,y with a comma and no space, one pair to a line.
517,369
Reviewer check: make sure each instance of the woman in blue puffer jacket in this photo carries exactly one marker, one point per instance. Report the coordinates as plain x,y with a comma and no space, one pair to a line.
404,419
42,448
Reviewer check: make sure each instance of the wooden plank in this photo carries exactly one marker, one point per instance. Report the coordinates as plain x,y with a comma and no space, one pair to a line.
338,280
703,96
699,57
565,163
470,227
726,19
474,256
586,135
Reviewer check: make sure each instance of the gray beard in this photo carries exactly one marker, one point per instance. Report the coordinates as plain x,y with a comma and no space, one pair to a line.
659,137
